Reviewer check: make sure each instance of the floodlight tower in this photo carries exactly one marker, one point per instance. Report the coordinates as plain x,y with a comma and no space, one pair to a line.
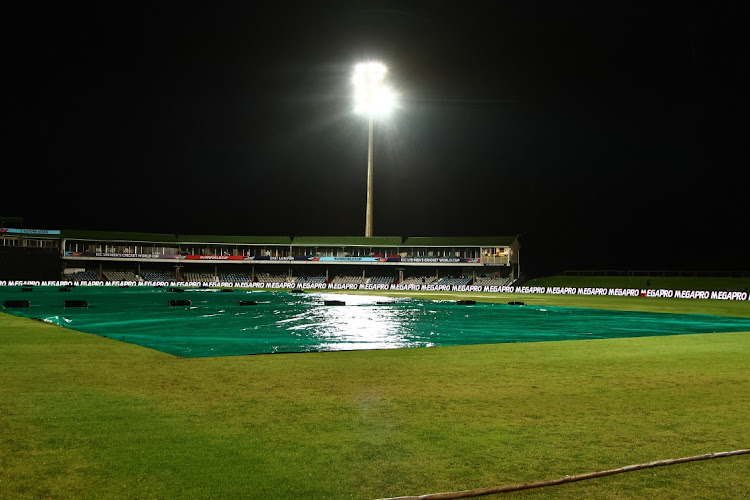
373,98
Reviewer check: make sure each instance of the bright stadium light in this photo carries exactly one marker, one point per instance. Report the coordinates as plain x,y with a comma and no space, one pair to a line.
371,95
373,98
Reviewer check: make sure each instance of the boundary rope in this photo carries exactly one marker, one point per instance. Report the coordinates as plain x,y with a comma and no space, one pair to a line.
567,479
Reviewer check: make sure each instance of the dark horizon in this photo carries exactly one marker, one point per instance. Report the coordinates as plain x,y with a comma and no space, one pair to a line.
608,137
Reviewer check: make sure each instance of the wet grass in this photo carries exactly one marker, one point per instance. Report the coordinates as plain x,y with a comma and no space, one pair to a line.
89,417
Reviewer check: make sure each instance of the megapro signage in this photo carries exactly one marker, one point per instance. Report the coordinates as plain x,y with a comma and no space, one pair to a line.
617,292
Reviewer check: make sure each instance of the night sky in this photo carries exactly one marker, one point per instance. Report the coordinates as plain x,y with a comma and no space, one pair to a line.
608,137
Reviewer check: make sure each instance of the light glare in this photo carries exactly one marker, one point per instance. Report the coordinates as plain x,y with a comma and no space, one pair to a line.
371,95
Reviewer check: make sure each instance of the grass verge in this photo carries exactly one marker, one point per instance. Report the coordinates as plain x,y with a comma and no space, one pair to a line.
89,417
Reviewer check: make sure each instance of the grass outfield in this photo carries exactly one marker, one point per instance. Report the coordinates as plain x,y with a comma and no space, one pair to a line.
88,417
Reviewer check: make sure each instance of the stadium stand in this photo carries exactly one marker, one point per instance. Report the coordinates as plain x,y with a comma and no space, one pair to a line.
382,280
201,277
119,276
84,276
349,280
234,278
271,278
454,281
156,276
310,279
51,254
493,281
420,280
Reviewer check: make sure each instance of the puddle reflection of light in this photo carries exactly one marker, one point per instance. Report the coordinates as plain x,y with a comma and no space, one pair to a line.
361,323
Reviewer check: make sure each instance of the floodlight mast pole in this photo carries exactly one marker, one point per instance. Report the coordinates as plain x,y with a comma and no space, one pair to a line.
371,96
368,215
